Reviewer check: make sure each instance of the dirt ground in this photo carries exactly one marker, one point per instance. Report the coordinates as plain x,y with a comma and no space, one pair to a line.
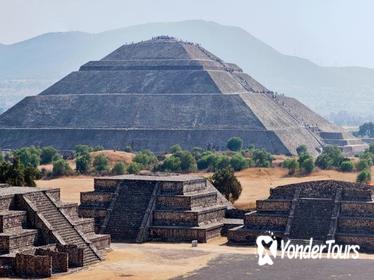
256,183
163,260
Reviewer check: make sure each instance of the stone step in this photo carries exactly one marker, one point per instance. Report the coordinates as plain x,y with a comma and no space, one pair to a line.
244,235
186,234
190,218
12,220
186,202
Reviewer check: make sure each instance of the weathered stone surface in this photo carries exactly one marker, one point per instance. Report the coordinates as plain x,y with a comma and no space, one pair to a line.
169,208
160,92
33,221
322,210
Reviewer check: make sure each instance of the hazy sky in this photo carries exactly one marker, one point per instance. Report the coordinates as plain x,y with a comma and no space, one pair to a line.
329,32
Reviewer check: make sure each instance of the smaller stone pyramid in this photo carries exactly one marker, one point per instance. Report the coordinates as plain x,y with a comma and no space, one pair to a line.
168,208
322,210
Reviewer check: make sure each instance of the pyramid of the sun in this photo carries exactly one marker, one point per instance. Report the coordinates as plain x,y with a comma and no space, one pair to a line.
161,92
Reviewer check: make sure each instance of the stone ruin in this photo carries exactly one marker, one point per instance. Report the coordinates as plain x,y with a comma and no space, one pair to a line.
136,208
322,210
161,92
40,235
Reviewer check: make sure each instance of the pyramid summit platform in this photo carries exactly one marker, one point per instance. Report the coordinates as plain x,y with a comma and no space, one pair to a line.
161,92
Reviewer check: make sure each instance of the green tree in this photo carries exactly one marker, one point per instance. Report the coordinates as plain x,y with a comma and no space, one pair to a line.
134,168
175,148
220,162
366,130
225,182
82,150
292,165
83,163
61,168
28,156
47,155
119,168
262,158
307,166
235,144
146,158
363,164
100,163
172,164
331,156
15,174
188,162
238,162
364,176
346,166
1,157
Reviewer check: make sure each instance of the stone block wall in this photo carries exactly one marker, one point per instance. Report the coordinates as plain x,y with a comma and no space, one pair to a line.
33,266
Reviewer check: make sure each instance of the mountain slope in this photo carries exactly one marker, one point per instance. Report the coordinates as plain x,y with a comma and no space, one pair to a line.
325,89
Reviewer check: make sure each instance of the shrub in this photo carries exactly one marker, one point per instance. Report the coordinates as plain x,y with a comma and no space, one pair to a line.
301,150
197,152
346,166
15,174
363,164
1,157
60,168
101,163
220,162
146,158
238,162
119,168
28,156
187,161
235,144
175,148
364,176
134,168
206,160
171,164
368,156
82,150
262,158
366,129
47,155
83,163
292,165
331,156
307,166
226,183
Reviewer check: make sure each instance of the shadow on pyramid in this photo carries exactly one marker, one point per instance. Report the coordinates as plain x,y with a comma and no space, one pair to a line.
161,92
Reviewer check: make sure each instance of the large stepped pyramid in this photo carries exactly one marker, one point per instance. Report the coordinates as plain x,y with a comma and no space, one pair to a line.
161,92
169,208
40,235
322,210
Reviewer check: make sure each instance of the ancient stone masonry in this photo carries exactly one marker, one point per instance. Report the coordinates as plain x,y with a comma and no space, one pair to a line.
40,235
172,92
170,208
322,210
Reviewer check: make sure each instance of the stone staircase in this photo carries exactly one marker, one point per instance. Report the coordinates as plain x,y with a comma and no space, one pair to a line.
322,210
63,227
312,218
40,235
128,212
169,208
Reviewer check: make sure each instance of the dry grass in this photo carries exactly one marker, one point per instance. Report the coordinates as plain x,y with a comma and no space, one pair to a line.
256,183
113,157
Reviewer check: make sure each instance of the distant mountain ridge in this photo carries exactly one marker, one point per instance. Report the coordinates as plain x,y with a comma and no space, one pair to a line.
325,89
